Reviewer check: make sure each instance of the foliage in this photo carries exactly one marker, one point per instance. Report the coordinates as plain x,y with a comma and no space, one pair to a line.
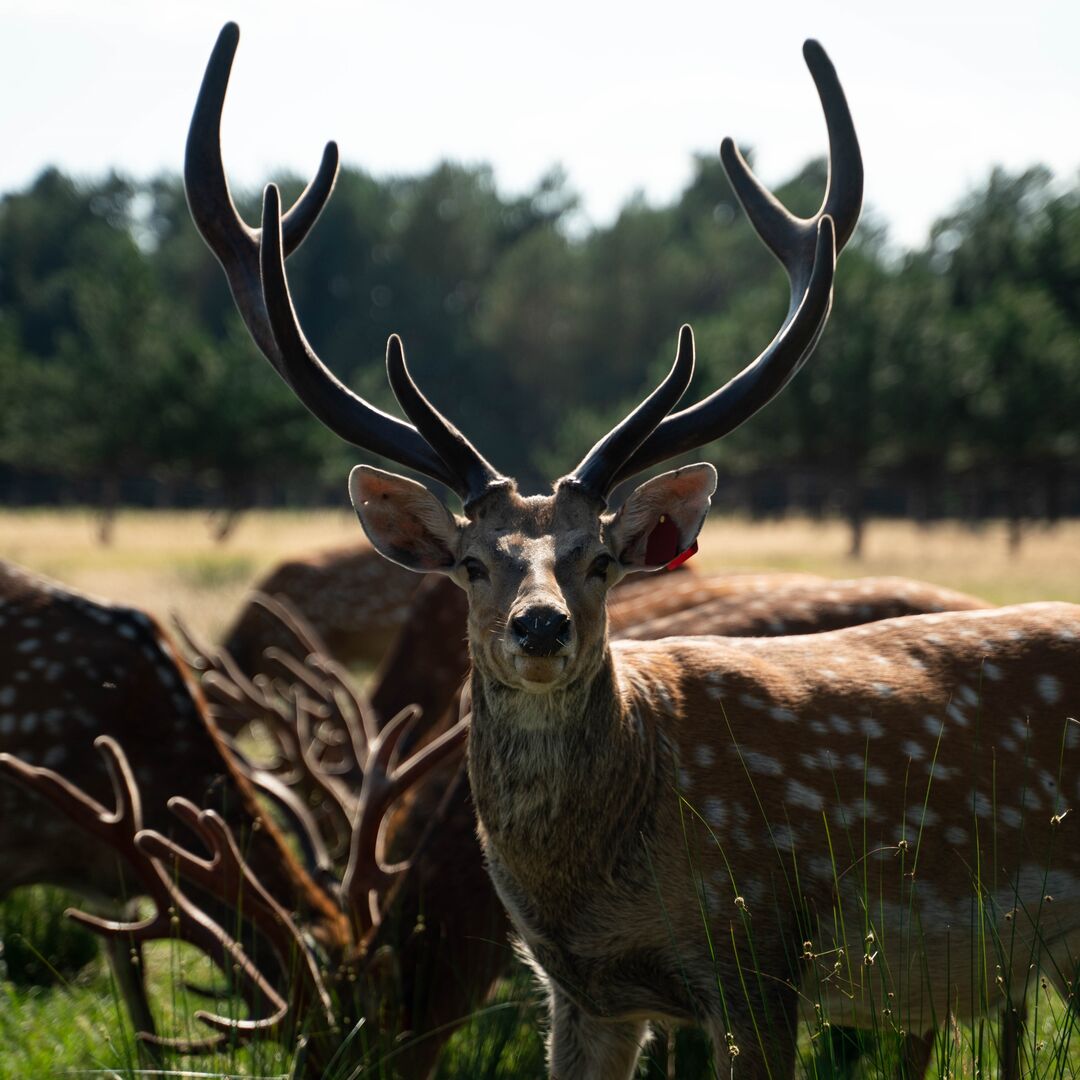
121,357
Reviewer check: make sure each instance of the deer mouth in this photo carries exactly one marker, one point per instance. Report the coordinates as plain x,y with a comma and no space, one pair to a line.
539,672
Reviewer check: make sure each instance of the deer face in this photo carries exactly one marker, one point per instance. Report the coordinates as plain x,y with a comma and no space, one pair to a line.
537,569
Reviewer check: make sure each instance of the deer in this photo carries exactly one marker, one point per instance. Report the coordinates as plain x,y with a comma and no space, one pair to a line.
85,678
690,830
76,668
350,595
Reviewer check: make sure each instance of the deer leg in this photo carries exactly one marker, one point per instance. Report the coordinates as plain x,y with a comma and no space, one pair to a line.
126,960
582,1047
759,1045
1013,1019
915,1054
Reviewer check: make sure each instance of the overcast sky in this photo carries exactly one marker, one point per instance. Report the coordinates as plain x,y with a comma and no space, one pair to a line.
619,94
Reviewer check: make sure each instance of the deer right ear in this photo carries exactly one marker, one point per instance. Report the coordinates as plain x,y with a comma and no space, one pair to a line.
404,521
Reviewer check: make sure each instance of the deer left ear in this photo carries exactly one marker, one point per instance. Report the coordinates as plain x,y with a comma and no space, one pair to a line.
662,518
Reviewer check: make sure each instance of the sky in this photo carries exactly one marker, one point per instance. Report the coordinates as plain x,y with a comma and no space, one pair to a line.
619,94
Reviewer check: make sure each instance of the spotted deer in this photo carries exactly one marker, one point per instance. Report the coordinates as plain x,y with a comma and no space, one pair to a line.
72,669
351,596
706,830
84,678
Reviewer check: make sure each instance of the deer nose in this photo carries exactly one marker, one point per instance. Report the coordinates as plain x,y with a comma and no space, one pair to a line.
541,631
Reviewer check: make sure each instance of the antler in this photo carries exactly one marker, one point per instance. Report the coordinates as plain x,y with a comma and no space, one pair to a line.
381,779
276,331
807,248
368,874
175,915
227,876
286,708
465,469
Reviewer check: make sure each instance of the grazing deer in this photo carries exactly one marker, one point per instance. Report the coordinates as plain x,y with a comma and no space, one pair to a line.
81,673
74,669
709,830
353,599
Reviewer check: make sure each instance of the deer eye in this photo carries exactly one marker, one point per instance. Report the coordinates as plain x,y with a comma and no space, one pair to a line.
476,570
601,565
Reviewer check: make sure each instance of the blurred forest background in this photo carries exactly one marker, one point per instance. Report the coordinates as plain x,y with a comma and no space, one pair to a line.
946,385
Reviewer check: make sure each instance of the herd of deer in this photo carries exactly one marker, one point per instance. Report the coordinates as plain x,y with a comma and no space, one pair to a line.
751,803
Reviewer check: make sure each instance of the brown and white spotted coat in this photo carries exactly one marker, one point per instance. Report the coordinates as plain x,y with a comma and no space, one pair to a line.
73,668
669,822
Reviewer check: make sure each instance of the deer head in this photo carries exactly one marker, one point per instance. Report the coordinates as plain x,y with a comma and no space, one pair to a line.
537,569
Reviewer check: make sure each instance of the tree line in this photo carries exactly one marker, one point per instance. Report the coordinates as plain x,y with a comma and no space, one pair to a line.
947,382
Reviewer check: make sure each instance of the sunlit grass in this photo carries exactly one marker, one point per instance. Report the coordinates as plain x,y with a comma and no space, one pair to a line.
169,561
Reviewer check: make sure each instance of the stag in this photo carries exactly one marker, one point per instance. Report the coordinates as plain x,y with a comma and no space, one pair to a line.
75,669
684,830
303,957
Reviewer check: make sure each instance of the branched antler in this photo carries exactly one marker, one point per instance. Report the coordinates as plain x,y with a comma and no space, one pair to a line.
175,915
368,875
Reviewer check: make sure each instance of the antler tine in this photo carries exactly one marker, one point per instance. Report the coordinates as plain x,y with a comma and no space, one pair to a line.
227,876
807,248
175,916
233,242
594,473
291,806
345,413
382,787
242,252
759,382
791,239
278,607
334,805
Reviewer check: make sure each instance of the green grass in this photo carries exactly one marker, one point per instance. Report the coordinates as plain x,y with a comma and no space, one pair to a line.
61,1014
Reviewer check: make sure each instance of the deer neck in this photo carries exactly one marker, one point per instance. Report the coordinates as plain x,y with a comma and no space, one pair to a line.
561,780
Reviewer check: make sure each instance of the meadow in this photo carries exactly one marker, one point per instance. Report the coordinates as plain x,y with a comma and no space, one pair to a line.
60,1013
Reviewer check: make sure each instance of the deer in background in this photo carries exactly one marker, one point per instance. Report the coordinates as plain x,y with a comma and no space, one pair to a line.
351,596
74,669
80,673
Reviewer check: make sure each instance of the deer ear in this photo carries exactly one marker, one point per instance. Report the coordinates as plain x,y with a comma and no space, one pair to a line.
662,518
404,521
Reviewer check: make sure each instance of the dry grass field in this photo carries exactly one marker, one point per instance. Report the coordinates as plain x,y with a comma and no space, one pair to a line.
166,561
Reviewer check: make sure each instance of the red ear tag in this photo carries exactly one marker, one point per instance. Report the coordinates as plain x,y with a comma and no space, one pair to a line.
662,547
683,556
663,543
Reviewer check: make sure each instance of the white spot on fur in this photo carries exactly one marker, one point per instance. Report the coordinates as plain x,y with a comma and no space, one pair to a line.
956,714
704,755
871,728
1010,817
7,695
762,763
28,646
875,776
955,835
922,816
983,807
913,750
991,671
933,725
716,813
783,716
1049,688
841,725
968,695
801,795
